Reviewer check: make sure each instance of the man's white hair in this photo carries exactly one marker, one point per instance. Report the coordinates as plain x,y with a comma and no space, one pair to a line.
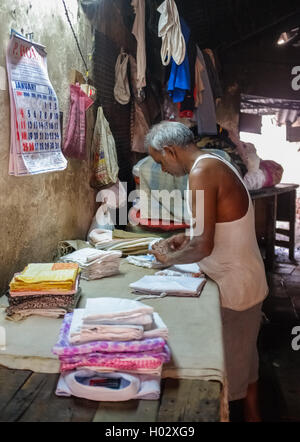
168,133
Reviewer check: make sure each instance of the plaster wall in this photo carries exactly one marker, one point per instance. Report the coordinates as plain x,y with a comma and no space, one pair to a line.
38,211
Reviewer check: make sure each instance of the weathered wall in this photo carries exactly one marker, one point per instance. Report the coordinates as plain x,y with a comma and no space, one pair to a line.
37,212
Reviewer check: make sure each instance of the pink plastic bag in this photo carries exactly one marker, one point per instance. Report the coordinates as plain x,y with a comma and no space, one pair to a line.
273,172
75,142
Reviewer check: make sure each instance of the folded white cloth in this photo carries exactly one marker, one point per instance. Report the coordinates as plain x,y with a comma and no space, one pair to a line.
148,261
123,386
100,236
158,329
80,333
170,285
187,268
140,319
95,264
114,308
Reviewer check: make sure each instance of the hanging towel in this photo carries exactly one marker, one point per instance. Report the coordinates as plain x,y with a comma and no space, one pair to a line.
75,139
121,89
169,29
138,31
179,81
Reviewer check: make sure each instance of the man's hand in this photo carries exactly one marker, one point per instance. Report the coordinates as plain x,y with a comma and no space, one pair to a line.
178,242
166,249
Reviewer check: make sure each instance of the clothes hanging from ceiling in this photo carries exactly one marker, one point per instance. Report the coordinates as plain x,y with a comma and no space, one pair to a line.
169,29
212,73
121,89
180,79
138,31
205,113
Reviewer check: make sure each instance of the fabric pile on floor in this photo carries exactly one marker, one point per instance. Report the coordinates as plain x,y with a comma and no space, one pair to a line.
116,344
49,290
95,264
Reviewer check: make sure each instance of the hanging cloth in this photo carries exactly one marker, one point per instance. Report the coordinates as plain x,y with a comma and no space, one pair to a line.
199,86
169,29
179,81
106,167
121,89
139,122
205,114
75,139
212,73
138,31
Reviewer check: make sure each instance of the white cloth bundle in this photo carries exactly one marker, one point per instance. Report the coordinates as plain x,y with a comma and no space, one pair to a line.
170,285
95,264
77,383
115,319
103,240
114,308
148,261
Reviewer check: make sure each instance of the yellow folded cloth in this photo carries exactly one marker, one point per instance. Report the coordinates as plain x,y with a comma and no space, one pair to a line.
44,276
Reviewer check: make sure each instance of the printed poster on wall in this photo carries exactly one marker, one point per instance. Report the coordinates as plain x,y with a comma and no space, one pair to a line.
35,127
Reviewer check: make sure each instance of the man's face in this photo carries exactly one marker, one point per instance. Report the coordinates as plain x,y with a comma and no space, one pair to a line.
168,161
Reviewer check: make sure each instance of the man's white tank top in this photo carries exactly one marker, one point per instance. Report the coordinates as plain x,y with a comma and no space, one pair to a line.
235,263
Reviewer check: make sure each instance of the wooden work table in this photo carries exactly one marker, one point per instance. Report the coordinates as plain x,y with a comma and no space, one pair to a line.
27,386
272,204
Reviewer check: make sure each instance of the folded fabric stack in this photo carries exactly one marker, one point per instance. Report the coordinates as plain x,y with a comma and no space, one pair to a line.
126,242
50,289
95,264
148,261
112,336
168,285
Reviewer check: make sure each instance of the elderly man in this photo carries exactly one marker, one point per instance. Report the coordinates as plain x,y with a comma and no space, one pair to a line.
226,250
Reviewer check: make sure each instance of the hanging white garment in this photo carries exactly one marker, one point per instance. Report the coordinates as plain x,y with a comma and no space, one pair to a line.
169,29
121,89
138,31
77,383
106,167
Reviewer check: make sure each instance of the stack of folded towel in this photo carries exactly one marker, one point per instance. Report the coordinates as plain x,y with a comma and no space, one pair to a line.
164,284
127,242
113,335
95,264
50,289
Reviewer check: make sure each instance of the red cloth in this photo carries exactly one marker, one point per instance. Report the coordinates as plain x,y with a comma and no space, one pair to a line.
75,142
159,224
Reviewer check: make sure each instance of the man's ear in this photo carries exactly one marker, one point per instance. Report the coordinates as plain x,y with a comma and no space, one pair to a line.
170,150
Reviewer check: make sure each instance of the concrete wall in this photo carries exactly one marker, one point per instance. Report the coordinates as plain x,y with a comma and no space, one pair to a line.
36,212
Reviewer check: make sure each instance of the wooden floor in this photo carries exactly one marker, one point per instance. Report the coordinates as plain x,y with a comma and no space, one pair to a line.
30,397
